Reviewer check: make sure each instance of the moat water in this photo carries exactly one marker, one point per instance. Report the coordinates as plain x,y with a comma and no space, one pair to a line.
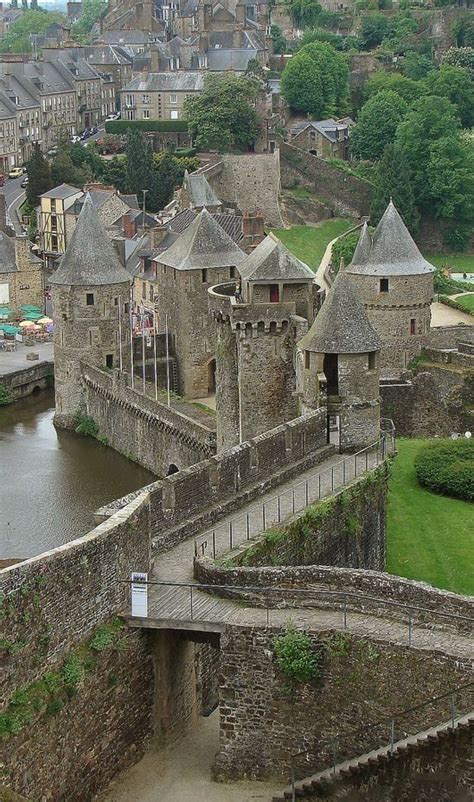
51,481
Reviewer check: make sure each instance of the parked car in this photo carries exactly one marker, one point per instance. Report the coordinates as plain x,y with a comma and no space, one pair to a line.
114,116
15,172
24,183
85,134
93,130
75,139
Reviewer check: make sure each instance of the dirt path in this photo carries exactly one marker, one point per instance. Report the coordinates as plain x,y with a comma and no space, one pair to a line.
442,315
182,773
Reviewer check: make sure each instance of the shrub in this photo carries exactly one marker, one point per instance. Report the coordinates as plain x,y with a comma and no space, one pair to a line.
5,396
84,424
295,656
122,126
447,467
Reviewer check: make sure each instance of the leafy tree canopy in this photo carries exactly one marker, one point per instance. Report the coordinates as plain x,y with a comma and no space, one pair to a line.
375,28
450,175
223,115
316,81
377,124
17,39
39,176
416,66
463,30
394,181
407,88
280,45
92,11
460,57
455,84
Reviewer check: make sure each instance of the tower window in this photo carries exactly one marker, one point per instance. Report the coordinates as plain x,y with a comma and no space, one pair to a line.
115,301
372,360
331,371
307,360
274,293
413,326
89,299
384,285
204,276
109,360
233,272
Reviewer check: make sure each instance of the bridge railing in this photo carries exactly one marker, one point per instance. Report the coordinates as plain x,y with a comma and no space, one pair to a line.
185,601
261,516
386,734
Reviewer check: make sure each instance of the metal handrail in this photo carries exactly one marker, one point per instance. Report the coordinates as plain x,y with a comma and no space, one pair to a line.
202,539
266,590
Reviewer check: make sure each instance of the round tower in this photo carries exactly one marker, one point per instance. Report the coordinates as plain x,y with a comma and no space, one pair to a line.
395,284
339,367
91,296
258,324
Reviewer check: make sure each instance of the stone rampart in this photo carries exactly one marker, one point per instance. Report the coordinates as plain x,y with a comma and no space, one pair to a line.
345,193
358,682
143,429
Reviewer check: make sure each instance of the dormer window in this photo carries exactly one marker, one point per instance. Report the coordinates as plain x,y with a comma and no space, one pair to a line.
274,293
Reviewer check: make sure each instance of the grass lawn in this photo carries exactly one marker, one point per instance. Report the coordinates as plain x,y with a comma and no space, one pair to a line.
458,262
430,537
467,301
308,243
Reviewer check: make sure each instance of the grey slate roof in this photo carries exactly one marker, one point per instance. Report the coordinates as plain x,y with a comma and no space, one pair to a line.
62,191
167,82
342,325
232,59
90,258
204,244
393,251
7,254
231,223
362,251
271,261
200,190
327,128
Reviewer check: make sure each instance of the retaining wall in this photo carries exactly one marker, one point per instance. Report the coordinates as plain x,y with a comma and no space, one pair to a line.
23,382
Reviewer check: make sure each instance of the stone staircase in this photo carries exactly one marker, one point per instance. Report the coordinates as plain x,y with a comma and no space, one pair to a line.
321,784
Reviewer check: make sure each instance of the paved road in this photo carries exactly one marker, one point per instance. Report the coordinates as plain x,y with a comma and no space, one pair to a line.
12,361
14,195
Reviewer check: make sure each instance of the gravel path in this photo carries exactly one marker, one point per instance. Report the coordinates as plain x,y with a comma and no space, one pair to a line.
442,315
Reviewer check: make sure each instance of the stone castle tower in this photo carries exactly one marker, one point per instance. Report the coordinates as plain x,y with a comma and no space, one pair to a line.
257,330
91,296
395,284
339,367
203,255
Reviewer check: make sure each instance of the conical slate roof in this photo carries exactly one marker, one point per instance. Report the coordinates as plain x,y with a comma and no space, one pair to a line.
90,258
7,254
204,244
271,261
362,251
393,251
342,325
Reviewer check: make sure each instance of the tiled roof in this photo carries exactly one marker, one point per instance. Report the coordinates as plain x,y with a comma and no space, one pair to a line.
204,244
342,325
7,254
90,258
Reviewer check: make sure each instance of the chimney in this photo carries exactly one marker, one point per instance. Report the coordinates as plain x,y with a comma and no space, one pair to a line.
240,14
252,230
129,226
119,245
157,235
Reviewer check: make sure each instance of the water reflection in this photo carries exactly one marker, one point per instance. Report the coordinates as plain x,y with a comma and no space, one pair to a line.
52,481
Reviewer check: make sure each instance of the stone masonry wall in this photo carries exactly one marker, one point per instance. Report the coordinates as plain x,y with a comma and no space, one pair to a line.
360,681
23,382
437,769
346,193
143,429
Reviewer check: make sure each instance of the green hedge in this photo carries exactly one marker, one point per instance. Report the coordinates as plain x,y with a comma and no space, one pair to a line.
455,304
122,126
447,467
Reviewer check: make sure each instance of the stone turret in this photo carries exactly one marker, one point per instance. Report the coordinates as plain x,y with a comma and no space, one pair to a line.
395,284
203,255
339,367
91,295
258,325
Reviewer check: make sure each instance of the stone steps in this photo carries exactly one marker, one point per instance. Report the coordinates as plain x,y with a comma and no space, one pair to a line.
322,780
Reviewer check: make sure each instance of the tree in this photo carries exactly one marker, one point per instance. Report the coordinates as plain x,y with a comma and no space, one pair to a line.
280,44
39,176
450,175
408,89
223,115
454,83
394,181
139,162
115,173
305,13
316,81
463,30
167,178
92,11
63,171
17,39
376,125
430,118
374,29
460,57
416,66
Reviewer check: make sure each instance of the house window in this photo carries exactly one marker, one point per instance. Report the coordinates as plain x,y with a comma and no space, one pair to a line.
412,326
174,114
54,243
204,276
173,99
307,359
146,114
146,99
109,360
384,285
274,293
54,223
372,360
89,299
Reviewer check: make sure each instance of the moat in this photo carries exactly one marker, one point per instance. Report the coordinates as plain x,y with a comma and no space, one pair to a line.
52,481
